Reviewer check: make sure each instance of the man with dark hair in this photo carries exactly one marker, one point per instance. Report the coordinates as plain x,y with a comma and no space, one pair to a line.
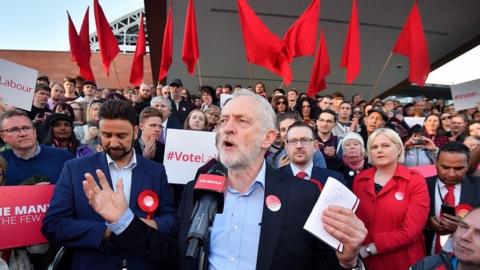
280,158
301,146
450,187
180,107
26,158
292,96
40,110
326,103
69,85
328,143
71,222
227,89
148,144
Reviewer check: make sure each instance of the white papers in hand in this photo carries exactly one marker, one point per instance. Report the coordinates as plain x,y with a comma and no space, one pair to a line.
334,193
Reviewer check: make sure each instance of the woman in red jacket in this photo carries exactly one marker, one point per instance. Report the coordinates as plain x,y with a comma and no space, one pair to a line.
394,205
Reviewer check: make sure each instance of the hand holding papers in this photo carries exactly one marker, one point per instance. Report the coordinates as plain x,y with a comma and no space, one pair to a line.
335,193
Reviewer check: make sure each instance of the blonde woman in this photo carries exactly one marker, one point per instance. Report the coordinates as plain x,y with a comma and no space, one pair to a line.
394,205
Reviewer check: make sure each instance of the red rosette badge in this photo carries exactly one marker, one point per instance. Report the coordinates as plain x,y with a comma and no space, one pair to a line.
148,202
463,209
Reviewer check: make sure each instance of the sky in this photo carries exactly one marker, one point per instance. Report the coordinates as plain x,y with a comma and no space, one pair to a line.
42,25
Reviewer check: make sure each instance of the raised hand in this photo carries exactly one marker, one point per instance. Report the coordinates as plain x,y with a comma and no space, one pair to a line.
107,203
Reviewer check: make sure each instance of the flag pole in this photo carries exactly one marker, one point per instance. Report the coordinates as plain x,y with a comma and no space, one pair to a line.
116,74
199,73
249,70
381,75
281,84
344,79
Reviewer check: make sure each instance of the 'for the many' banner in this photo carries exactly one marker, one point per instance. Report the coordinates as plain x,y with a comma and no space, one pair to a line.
22,209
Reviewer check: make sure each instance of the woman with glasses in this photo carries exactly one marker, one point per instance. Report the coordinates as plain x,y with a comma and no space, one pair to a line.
394,205
445,122
280,104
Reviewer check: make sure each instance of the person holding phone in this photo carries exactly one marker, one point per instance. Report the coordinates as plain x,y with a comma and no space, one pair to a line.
419,149
448,189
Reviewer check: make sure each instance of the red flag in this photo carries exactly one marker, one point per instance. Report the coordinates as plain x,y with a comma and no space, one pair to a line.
351,50
106,40
136,73
302,35
167,48
190,52
412,43
321,68
262,46
78,53
84,34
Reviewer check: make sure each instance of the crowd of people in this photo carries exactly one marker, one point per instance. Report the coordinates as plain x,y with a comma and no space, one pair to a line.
76,133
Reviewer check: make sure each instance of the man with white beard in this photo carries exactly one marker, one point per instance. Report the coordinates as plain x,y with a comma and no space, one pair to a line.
264,212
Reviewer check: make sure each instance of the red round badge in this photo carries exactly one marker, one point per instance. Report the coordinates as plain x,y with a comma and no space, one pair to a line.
273,203
148,202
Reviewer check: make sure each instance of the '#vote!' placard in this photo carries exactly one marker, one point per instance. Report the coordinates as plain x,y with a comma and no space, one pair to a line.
185,152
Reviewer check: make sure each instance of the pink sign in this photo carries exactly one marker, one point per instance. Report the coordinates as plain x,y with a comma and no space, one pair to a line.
22,209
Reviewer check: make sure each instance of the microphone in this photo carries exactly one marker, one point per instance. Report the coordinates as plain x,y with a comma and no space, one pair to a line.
208,198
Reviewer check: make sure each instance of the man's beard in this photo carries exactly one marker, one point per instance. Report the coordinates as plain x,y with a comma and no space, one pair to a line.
243,157
121,151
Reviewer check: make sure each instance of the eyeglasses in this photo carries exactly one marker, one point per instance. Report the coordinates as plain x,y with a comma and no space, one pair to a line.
303,141
357,112
17,130
281,102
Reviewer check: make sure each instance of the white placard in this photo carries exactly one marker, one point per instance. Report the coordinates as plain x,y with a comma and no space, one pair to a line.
185,152
17,84
412,121
224,98
465,95
334,193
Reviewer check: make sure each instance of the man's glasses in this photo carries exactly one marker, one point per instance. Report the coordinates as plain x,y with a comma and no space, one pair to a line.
303,141
17,130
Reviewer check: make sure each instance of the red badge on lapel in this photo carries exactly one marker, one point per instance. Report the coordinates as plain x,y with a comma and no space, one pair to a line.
148,202
273,203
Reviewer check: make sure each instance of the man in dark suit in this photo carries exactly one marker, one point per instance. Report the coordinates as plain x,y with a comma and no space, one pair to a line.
264,212
301,146
71,222
180,107
451,186
147,144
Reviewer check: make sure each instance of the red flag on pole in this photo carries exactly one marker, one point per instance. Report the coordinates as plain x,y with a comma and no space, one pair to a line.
413,44
106,40
78,53
190,52
321,68
351,50
262,46
302,35
167,48
136,73
84,34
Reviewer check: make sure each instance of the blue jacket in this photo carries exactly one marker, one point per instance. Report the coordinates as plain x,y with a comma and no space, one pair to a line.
71,222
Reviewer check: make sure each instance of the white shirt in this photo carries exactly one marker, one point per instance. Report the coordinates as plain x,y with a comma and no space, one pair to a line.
440,192
308,170
124,173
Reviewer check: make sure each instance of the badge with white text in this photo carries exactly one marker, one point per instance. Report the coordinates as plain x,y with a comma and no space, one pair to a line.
399,196
148,202
273,203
